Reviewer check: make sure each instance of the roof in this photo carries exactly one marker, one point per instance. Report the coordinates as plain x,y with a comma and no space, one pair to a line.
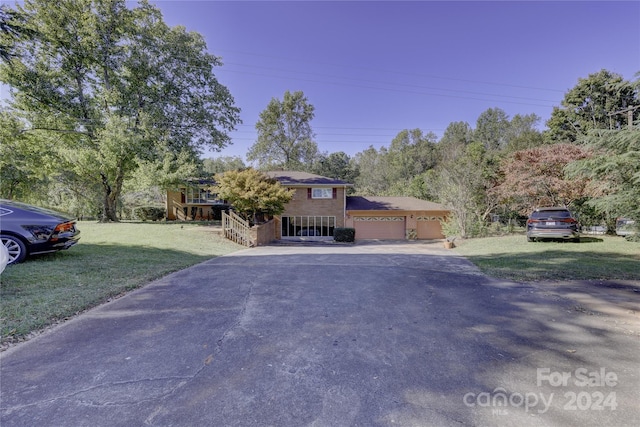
294,178
372,203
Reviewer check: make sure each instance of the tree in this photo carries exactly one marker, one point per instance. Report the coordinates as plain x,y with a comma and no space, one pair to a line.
338,166
492,129
11,28
522,133
285,137
223,164
592,104
116,87
455,139
615,166
536,177
253,194
373,179
461,185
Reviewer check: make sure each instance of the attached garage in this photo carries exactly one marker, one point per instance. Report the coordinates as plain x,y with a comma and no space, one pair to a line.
379,227
394,218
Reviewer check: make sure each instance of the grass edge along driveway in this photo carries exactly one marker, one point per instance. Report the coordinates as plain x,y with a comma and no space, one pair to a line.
109,260
515,259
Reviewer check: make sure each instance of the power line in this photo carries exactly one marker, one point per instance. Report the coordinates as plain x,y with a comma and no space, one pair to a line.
392,83
394,90
393,72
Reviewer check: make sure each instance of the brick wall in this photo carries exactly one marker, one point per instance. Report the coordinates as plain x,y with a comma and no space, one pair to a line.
301,205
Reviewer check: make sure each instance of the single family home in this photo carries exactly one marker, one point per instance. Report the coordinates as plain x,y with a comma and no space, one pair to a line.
319,205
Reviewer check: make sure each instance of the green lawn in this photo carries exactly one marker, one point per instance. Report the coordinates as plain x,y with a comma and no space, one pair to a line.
109,259
513,258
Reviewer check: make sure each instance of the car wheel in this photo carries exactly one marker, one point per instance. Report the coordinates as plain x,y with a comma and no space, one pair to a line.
530,239
16,248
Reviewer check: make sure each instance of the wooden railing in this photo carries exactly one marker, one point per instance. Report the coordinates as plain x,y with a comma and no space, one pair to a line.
236,229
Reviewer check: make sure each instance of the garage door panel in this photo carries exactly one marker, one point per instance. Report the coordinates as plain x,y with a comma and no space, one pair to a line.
429,227
379,227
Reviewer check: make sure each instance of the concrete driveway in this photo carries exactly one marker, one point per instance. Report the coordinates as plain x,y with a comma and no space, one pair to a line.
366,335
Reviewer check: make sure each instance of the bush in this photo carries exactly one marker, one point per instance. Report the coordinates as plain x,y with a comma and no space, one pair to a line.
149,213
344,234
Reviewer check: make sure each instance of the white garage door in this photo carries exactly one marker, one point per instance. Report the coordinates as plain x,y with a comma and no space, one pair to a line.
379,227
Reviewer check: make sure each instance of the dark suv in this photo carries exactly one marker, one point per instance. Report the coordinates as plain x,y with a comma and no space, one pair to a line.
552,223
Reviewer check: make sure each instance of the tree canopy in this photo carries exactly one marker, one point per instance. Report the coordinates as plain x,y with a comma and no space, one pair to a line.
252,193
536,177
108,87
594,103
285,138
615,166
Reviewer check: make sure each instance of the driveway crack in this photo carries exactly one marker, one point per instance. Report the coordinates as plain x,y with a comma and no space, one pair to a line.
243,310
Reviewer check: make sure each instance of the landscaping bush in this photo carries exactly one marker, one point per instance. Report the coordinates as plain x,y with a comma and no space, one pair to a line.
150,213
344,234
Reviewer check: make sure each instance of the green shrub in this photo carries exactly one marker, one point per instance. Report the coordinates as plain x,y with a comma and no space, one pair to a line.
150,213
344,234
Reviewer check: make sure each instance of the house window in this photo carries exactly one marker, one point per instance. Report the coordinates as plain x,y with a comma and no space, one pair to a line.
193,195
322,193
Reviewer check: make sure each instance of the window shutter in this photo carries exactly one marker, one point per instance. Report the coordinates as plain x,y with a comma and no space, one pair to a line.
308,193
335,193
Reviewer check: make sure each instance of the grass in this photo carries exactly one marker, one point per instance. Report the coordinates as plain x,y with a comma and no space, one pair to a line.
594,258
110,259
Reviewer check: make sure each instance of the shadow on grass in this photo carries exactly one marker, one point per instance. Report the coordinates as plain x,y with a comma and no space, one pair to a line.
557,264
47,288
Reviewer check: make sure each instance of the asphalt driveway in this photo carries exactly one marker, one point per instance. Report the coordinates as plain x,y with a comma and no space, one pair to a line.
367,335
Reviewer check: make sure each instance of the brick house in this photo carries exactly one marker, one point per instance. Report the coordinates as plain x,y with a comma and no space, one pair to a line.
319,205
194,201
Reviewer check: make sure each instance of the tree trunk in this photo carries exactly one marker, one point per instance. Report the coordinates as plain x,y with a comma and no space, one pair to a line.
110,202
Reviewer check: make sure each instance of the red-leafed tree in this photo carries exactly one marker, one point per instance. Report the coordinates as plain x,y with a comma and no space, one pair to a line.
536,177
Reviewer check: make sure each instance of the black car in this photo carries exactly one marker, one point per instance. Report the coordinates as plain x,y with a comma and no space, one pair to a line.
552,223
29,230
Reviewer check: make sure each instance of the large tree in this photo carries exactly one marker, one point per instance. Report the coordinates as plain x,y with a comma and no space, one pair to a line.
114,86
599,101
285,138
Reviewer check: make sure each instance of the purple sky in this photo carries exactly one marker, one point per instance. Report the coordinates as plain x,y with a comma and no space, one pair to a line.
372,69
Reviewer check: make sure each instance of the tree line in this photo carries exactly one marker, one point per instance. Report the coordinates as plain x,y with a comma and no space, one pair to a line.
587,159
109,107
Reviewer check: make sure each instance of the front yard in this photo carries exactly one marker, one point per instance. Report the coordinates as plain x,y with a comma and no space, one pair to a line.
109,260
594,258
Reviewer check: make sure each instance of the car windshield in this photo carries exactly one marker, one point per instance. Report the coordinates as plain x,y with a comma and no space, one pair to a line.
551,214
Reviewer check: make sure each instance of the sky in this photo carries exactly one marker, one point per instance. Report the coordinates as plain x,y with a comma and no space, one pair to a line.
374,68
